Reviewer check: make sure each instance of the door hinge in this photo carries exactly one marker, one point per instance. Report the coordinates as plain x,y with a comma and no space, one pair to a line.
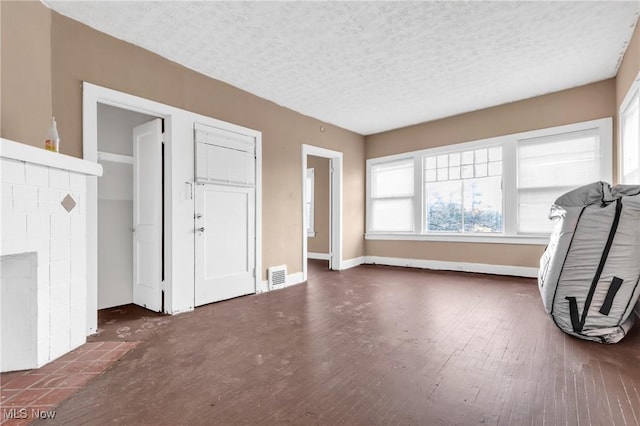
164,286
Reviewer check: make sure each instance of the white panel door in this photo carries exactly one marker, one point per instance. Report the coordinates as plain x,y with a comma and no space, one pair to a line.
225,242
147,215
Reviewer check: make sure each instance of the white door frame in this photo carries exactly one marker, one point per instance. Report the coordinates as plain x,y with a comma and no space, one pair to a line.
92,95
335,202
179,283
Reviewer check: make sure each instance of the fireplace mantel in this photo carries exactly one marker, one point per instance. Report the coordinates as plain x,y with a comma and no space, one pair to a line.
31,154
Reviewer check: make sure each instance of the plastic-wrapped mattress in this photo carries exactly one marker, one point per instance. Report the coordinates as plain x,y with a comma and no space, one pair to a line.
589,272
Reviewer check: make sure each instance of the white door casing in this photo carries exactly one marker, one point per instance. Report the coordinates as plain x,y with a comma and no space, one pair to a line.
335,202
179,244
147,215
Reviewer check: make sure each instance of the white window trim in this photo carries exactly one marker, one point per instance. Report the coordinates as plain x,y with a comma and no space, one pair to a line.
311,229
509,178
632,93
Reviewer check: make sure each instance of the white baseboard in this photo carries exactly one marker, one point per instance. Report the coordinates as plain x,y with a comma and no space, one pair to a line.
439,265
352,263
263,286
293,279
483,268
180,311
318,256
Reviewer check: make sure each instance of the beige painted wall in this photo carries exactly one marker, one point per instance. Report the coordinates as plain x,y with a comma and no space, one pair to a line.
487,253
25,68
588,102
81,53
629,67
45,58
320,243
582,103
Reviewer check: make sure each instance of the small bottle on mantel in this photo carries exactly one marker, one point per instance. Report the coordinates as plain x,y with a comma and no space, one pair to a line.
52,143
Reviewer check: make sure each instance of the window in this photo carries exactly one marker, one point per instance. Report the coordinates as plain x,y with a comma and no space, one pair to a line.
630,136
550,166
463,191
392,196
309,203
492,190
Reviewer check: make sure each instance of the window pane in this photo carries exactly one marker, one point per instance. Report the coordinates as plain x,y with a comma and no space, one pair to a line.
481,155
633,177
631,143
495,153
309,193
467,172
574,161
467,157
534,206
444,206
463,198
443,160
549,167
495,168
442,174
430,175
309,200
483,205
393,179
454,173
481,170
392,215
454,159
430,163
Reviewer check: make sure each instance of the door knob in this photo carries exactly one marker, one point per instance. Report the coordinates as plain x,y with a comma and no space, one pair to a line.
201,229
199,216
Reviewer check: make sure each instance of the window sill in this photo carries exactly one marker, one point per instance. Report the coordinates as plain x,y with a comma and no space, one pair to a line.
495,239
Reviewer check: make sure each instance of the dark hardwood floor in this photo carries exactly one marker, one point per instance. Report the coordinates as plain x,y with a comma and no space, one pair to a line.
369,346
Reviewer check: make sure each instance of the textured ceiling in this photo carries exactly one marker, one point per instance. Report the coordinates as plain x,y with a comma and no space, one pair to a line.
376,66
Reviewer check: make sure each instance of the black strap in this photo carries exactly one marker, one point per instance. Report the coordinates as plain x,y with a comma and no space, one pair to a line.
573,312
611,294
603,260
577,320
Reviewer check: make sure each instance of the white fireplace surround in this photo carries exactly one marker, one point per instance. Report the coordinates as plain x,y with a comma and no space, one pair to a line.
43,252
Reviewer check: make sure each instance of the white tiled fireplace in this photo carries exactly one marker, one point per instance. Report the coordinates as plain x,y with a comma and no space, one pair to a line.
43,261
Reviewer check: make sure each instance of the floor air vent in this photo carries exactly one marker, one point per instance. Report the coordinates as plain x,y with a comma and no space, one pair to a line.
277,276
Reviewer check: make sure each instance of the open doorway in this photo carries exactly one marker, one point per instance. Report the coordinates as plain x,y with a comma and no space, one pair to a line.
318,212
130,209
321,209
